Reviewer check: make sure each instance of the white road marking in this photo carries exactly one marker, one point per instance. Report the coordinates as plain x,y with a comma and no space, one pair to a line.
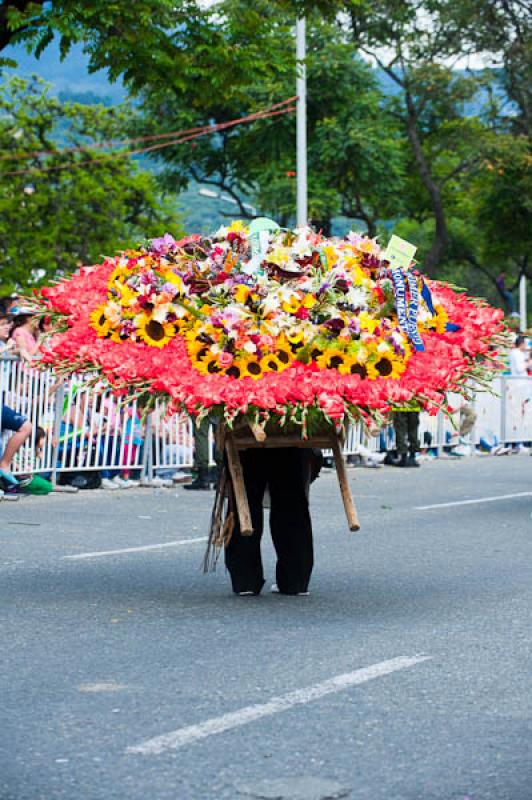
184,736
100,553
473,502
101,687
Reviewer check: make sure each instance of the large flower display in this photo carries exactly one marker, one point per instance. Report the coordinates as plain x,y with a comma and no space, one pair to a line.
272,324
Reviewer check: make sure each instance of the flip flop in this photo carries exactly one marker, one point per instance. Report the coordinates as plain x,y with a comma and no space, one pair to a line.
8,477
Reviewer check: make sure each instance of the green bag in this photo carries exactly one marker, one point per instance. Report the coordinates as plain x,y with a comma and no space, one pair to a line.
39,485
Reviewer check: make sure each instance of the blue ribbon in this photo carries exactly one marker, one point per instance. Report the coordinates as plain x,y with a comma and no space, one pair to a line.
413,312
427,297
407,315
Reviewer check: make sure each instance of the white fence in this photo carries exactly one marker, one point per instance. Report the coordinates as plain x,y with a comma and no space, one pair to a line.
89,429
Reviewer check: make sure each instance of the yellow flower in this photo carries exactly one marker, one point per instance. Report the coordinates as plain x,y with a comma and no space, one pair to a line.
128,297
208,365
237,226
439,320
352,366
332,359
195,346
271,364
367,323
169,276
387,367
291,304
331,255
99,321
250,367
360,278
241,293
283,352
156,334
309,301
295,336
279,256
119,272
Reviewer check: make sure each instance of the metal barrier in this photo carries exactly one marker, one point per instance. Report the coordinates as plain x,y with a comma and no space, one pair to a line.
90,429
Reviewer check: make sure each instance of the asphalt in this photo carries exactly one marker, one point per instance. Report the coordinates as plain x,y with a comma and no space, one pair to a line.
101,654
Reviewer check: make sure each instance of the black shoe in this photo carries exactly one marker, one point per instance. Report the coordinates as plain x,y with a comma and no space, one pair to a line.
200,483
411,462
403,461
390,459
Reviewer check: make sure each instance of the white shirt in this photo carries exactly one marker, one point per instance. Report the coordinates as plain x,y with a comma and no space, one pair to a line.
518,361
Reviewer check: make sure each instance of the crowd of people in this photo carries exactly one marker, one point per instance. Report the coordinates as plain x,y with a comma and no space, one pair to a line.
94,430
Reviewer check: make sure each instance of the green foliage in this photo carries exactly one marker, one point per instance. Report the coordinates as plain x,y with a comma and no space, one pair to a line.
355,151
52,221
444,158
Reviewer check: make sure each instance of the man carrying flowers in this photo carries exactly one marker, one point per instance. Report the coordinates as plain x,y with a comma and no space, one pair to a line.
287,474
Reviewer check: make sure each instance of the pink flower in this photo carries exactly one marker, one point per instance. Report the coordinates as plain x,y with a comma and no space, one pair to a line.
225,359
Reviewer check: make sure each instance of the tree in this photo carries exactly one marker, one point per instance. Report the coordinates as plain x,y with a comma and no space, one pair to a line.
355,152
75,212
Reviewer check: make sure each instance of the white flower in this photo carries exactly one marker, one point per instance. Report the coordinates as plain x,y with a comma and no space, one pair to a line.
357,297
249,347
161,312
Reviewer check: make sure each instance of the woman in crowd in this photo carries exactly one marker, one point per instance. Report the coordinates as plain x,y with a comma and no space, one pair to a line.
24,332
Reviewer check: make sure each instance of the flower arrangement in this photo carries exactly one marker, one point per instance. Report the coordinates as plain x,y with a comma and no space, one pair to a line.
269,323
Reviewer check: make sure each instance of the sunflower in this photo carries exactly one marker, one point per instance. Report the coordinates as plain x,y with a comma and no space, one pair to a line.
296,337
199,355
272,364
119,272
194,343
283,352
234,371
388,366
332,359
352,366
99,321
156,334
251,368
207,364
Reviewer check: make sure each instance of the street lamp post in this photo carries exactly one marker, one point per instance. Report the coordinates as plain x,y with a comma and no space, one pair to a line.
301,122
522,303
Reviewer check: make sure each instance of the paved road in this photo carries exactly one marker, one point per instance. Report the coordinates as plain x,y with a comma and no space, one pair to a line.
102,656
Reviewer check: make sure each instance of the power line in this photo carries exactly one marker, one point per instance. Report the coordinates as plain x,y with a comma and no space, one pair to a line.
277,109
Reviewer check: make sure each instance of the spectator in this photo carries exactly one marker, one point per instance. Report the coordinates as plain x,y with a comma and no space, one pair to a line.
6,345
406,426
11,421
520,361
34,483
23,332
204,477
500,282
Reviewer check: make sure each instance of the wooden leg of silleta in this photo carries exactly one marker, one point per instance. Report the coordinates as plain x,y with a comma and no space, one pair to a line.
341,472
239,487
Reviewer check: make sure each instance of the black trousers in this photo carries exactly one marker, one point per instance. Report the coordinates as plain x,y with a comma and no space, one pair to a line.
406,426
286,471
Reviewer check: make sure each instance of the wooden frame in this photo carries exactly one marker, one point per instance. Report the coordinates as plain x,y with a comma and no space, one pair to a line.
254,437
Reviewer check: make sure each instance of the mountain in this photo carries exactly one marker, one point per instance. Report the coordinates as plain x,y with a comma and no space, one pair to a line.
69,77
